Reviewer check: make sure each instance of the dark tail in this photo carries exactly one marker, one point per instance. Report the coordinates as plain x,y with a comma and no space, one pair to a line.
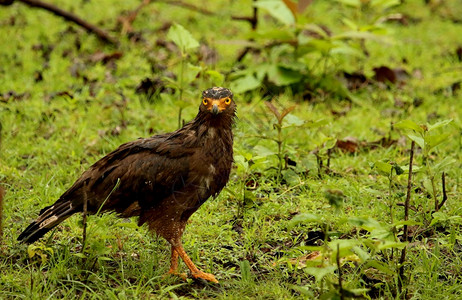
49,217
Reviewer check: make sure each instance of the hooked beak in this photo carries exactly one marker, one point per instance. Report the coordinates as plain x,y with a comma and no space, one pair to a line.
215,109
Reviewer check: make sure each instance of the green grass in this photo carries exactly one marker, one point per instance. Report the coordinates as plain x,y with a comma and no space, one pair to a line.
64,123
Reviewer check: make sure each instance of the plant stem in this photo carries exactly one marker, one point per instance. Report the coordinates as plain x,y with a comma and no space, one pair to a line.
390,199
342,295
279,141
406,217
181,89
432,180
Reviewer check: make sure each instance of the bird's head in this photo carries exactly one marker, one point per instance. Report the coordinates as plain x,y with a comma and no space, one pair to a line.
218,100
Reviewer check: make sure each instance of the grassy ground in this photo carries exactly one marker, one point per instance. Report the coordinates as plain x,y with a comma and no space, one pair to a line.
268,235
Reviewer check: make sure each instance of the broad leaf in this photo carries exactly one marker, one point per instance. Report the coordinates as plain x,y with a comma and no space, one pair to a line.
383,167
319,273
444,164
182,38
245,83
417,138
278,10
435,140
305,218
282,76
439,124
262,152
410,125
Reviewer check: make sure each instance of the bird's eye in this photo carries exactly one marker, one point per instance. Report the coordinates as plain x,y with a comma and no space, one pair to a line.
205,102
228,101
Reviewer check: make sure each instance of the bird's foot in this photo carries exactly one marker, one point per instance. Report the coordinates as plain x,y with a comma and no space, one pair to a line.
205,276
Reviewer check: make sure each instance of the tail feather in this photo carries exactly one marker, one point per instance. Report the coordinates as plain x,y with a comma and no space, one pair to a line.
49,217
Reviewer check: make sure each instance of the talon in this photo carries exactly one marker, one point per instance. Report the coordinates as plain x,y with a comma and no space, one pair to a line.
205,276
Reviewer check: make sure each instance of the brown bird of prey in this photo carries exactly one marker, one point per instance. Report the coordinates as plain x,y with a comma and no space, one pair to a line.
163,179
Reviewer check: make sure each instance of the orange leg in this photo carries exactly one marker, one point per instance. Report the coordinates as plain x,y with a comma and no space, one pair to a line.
174,264
195,272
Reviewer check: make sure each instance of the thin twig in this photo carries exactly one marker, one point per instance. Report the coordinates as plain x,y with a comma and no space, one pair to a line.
190,7
127,20
342,294
253,22
406,218
1,216
1,197
84,216
445,196
103,35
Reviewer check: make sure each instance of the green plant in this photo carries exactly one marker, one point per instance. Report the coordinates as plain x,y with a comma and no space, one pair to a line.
187,72
428,137
303,55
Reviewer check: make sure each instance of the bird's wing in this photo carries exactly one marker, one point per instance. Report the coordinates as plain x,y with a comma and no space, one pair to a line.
145,171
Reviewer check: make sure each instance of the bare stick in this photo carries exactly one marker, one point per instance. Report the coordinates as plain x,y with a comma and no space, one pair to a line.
1,197
1,215
406,217
445,196
73,18
127,20
254,22
342,294
84,216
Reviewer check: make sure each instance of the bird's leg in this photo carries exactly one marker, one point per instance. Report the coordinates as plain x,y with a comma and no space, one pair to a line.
195,272
174,264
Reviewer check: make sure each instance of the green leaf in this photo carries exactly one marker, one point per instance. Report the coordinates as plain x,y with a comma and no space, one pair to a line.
292,121
182,38
362,254
305,218
319,273
383,167
353,3
282,76
418,139
345,246
384,4
391,244
104,258
278,10
383,267
216,77
291,177
79,255
444,164
409,125
262,152
245,271
439,124
347,50
245,83
358,35
190,73
408,222
434,140
241,163
303,291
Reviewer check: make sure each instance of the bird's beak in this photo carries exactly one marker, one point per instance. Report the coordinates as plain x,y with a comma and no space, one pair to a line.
215,109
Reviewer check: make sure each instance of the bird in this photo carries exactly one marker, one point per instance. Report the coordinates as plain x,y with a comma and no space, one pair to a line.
162,179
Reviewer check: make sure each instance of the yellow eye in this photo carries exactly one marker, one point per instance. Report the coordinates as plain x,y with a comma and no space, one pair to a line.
205,102
228,101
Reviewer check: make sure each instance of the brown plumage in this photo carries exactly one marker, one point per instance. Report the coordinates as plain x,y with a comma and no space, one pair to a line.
163,179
